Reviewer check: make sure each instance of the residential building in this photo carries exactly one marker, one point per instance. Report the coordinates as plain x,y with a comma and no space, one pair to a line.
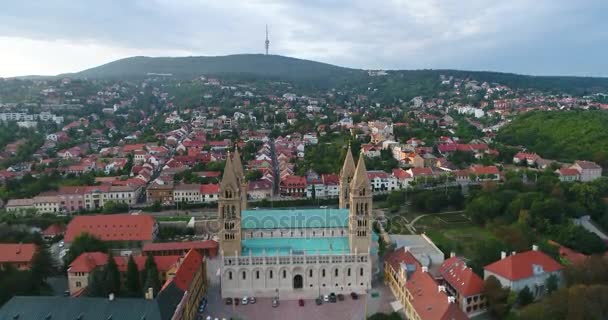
210,192
161,193
568,174
465,285
525,269
123,229
293,186
15,205
382,181
47,204
17,255
258,190
588,170
190,193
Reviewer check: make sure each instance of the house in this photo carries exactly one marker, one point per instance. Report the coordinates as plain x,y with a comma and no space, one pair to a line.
53,231
132,230
525,269
260,189
13,205
568,174
588,170
187,192
161,193
293,186
416,290
382,181
403,177
72,198
18,255
47,204
81,268
525,158
370,150
210,192
332,185
465,285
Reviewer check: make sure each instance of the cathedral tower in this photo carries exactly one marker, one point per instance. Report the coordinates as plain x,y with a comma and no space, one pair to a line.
240,177
360,210
346,175
229,210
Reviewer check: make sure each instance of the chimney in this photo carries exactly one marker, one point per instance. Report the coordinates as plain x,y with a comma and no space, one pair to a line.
149,294
425,269
440,288
452,254
406,249
451,299
111,297
503,255
513,253
534,247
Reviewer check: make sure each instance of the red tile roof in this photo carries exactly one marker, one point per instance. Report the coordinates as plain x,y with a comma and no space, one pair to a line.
161,246
187,269
568,172
429,302
485,170
53,230
115,227
520,265
460,277
401,174
16,252
88,261
210,189
399,256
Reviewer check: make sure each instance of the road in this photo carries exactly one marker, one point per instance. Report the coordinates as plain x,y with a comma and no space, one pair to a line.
411,225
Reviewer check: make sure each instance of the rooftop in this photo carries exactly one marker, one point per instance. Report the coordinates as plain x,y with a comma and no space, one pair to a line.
16,252
114,227
295,246
294,218
521,265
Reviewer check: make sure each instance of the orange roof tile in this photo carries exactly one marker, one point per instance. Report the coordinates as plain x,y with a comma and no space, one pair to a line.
187,269
461,277
115,227
429,302
16,252
520,266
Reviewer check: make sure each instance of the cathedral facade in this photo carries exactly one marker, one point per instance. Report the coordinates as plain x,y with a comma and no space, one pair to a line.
295,254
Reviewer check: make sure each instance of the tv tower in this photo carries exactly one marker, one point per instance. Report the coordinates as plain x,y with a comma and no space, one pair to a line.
267,42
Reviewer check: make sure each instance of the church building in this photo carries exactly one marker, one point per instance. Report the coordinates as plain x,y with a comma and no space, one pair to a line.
300,253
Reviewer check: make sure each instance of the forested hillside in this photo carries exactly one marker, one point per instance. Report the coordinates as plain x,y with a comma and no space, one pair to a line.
564,136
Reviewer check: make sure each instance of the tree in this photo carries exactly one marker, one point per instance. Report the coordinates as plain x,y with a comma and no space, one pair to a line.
84,242
111,276
499,302
525,297
42,264
552,283
152,279
133,286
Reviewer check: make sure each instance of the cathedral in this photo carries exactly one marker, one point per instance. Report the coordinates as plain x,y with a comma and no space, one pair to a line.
301,253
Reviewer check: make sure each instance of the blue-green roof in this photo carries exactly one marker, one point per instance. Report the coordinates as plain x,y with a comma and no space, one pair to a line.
294,218
283,246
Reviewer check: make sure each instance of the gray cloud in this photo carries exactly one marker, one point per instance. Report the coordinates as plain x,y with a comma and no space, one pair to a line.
536,37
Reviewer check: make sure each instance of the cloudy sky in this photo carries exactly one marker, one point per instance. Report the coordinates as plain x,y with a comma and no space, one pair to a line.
548,37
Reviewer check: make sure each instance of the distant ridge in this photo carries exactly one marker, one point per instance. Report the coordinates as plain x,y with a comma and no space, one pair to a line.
273,66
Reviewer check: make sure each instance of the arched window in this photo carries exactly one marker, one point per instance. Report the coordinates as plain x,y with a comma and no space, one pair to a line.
244,275
336,273
270,274
323,273
310,273
284,274
229,275
348,272
361,272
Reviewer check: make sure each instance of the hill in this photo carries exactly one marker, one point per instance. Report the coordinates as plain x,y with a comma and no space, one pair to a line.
564,136
270,66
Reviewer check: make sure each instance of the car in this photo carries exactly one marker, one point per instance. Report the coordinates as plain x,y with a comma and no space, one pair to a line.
325,298
245,301
228,301
340,297
252,300
323,207
275,302
301,302
354,295
201,309
332,299
319,301
208,318
236,301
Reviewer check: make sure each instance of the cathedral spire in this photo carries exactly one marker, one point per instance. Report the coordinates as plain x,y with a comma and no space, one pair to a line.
348,169
238,165
229,178
360,178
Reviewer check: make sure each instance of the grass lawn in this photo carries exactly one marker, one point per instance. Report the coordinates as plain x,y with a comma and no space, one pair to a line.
455,231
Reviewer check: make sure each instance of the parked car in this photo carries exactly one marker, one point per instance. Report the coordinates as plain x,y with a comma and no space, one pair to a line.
332,298
354,295
319,301
275,302
301,302
252,300
245,301
228,301
340,297
325,298
236,301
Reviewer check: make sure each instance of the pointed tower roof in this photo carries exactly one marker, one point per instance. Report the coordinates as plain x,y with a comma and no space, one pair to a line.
237,164
229,178
360,179
348,169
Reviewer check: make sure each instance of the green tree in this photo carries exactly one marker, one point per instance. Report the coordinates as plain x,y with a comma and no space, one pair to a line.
84,242
152,279
133,276
42,264
111,276
499,303
552,283
525,297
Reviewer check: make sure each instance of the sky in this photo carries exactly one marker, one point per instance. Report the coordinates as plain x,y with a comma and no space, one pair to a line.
539,37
